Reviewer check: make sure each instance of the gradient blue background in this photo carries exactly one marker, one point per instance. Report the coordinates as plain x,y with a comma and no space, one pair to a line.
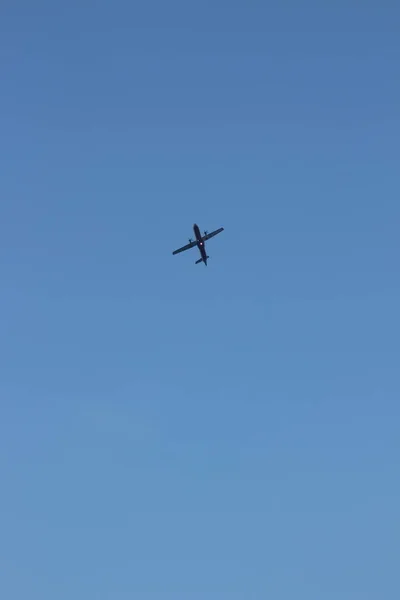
171,431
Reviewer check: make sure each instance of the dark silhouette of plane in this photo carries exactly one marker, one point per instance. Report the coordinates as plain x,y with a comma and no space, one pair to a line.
200,243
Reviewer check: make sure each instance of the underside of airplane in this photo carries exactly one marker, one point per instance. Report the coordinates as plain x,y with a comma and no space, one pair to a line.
199,241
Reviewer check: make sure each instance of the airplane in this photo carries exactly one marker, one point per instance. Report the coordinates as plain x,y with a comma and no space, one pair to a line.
199,242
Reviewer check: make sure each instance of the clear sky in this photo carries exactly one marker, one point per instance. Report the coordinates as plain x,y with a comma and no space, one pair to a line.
179,432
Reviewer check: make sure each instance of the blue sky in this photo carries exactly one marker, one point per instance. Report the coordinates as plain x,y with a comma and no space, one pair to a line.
170,431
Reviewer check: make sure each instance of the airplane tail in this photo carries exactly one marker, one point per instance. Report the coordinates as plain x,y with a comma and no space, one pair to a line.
201,260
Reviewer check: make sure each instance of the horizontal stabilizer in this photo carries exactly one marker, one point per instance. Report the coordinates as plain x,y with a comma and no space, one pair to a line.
201,260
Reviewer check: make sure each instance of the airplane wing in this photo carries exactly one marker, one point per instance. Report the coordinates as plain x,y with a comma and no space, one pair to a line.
187,247
210,235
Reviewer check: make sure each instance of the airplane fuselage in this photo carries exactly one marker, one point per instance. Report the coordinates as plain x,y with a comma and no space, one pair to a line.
200,243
